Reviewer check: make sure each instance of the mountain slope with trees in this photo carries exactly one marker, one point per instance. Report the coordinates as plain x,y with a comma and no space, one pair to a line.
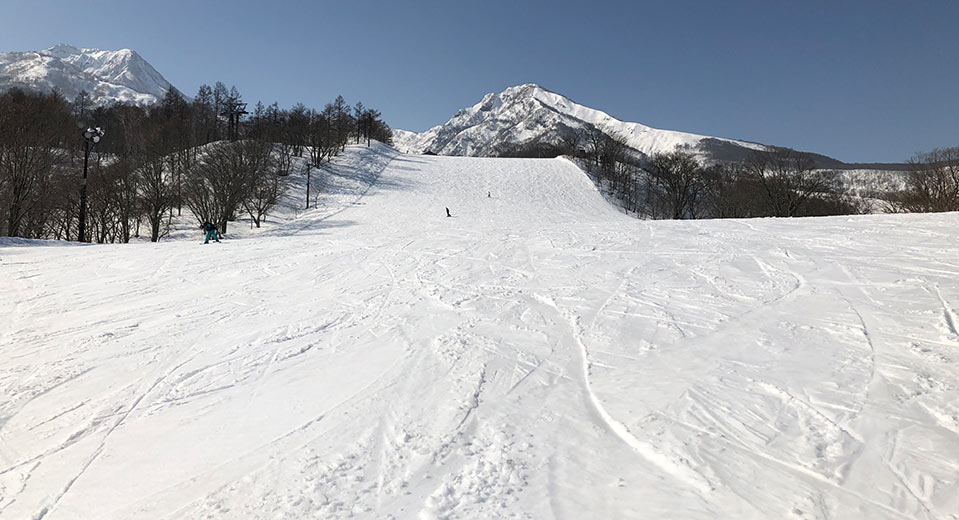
209,155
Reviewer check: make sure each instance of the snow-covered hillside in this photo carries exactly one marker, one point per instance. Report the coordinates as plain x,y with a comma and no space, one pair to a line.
537,355
531,114
108,76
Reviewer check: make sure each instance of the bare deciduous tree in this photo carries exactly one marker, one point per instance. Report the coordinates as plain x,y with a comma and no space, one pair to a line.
265,189
222,180
728,193
156,193
787,180
932,184
677,184
33,143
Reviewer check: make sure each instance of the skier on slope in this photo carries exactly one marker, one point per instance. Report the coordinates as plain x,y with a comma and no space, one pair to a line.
448,212
210,232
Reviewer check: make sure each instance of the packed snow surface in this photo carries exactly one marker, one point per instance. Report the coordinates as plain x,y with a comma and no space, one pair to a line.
537,355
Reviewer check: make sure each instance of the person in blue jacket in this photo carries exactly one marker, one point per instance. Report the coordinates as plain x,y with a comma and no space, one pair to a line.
210,232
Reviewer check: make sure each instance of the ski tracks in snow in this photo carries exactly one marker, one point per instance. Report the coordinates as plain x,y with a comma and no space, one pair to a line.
537,356
669,464
98,451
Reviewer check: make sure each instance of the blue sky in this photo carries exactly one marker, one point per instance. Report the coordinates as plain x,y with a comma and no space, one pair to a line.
858,80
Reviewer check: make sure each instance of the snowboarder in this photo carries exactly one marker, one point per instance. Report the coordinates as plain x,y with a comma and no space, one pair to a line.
210,232
448,212
489,195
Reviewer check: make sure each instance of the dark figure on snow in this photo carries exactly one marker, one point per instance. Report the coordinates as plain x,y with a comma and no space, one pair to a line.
489,195
210,232
448,212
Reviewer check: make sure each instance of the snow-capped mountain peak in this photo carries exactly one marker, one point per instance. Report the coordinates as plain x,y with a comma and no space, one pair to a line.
62,50
122,67
108,76
530,114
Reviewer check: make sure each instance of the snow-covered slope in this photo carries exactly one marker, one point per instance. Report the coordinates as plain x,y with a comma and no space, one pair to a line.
108,76
537,355
412,142
531,114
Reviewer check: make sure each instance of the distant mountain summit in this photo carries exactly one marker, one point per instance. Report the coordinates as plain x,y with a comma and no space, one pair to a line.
109,76
528,114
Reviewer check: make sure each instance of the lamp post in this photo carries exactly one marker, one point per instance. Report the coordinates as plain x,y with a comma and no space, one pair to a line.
91,136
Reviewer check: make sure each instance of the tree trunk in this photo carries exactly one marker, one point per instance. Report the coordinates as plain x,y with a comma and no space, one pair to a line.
308,170
155,221
13,222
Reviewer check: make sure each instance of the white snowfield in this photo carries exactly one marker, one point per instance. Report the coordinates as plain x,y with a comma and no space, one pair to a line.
537,355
